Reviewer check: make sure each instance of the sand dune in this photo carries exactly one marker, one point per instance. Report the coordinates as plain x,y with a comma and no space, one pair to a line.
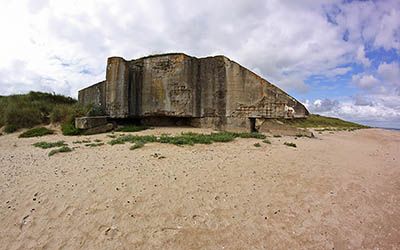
338,191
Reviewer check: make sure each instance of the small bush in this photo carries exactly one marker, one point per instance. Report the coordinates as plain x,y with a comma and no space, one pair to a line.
132,128
257,145
251,135
277,136
267,141
10,128
94,144
80,142
137,145
63,149
46,145
290,144
35,132
69,129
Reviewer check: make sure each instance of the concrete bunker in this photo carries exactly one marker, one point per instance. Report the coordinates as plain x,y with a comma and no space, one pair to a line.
180,90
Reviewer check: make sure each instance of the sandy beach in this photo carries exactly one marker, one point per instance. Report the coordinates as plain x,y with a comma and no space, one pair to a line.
339,190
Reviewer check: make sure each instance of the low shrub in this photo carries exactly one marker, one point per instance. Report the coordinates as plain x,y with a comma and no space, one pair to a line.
186,138
267,141
35,132
257,145
63,149
94,144
10,128
69,129
290,144
277,136
132,128
46,145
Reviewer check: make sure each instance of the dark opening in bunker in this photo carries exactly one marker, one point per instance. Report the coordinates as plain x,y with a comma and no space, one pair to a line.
253,128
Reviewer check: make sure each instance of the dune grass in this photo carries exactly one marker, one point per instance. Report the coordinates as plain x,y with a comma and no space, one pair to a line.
186,138
319,121
290,144
35,132
46,145
132,128
63,149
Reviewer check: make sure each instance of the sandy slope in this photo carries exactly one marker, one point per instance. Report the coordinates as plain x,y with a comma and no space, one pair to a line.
337,191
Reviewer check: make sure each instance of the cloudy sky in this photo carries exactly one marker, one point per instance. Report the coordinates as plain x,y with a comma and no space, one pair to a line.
340,58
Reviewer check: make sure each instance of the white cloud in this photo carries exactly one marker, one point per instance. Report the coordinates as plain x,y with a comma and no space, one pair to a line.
365,81
361,56
390,73
368,112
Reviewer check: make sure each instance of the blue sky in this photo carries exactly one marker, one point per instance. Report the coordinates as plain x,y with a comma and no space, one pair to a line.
340,58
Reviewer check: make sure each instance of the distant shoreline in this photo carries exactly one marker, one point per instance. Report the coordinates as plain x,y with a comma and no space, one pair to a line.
392,129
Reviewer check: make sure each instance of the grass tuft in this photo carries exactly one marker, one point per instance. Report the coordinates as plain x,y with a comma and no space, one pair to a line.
257,145
132,128
290,144
266,141
186,138
35,132
46,145
63,149
94,144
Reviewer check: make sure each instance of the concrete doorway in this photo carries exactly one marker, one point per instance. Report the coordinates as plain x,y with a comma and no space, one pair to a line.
253,128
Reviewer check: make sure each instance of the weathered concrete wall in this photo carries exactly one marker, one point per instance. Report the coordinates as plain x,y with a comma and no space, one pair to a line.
166,86
117,87
94,94
252,96
213,91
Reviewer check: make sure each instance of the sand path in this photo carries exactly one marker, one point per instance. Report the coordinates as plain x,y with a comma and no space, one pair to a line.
338,191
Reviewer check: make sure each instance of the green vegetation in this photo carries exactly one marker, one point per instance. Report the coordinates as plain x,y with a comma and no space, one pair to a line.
132,128
35,108
257,145
277,136
319,121
80,142
133,139
63,149
290,144
68,128
186,138
28,110
34,132
94,144
46,145
138,144
266,141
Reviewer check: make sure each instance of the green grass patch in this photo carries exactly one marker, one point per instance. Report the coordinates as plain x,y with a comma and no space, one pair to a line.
266,141
29,110
257,145
319,121
35,132
132,128
186,138
46,145
63,149
290,144
94,144
80,142
69,129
